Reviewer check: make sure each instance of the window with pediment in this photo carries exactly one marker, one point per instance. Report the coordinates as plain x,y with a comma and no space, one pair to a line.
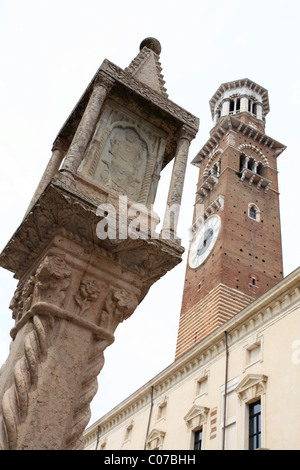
252,392
196,420
155,440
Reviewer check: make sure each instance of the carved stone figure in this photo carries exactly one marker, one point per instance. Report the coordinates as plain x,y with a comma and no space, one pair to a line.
123,163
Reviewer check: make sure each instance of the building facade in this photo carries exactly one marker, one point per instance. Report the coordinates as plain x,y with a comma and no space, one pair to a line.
249,365
235,379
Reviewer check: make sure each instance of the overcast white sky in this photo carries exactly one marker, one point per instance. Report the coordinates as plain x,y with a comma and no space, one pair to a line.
50,52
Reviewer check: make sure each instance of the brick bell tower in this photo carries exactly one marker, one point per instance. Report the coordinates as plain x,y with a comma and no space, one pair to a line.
235,252
87,250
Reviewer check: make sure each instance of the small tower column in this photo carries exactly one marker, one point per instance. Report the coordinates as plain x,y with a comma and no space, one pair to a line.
225,108
58,152
259,111
244,104
169,227
87,124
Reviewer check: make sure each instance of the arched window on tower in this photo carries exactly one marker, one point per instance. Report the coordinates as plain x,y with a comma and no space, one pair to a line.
254,212
249,163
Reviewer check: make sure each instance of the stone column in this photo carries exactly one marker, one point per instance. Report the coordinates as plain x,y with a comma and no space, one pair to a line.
225,108
58,152
87,124
169,227
244,104
259,111
66,312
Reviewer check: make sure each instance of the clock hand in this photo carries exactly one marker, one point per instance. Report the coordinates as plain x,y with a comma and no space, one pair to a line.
206,241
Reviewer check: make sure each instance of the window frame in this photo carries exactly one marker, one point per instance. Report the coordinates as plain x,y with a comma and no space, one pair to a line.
196,442
251,389
254,417
252,205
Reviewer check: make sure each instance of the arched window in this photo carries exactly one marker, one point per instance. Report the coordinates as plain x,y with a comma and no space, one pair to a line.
253,212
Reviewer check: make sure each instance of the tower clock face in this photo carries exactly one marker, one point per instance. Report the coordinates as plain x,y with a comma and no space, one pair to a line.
204,241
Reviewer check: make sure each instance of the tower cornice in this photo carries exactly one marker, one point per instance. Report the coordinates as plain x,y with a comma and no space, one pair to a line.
231,123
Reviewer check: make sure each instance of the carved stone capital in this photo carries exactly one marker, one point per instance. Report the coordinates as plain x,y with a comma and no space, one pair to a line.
52,278
186,132
104,80
60,144
73,301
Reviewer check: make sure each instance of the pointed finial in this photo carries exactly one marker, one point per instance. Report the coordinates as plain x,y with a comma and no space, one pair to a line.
152,44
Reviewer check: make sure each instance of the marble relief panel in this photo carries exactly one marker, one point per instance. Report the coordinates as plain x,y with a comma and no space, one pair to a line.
125,154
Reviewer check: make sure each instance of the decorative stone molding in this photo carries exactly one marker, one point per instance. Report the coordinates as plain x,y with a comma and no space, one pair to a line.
206,186
144,55
251,387
89,291
255,179
196,417
155,440
52,278
212,157
264,159
229,123
146,92
104,80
